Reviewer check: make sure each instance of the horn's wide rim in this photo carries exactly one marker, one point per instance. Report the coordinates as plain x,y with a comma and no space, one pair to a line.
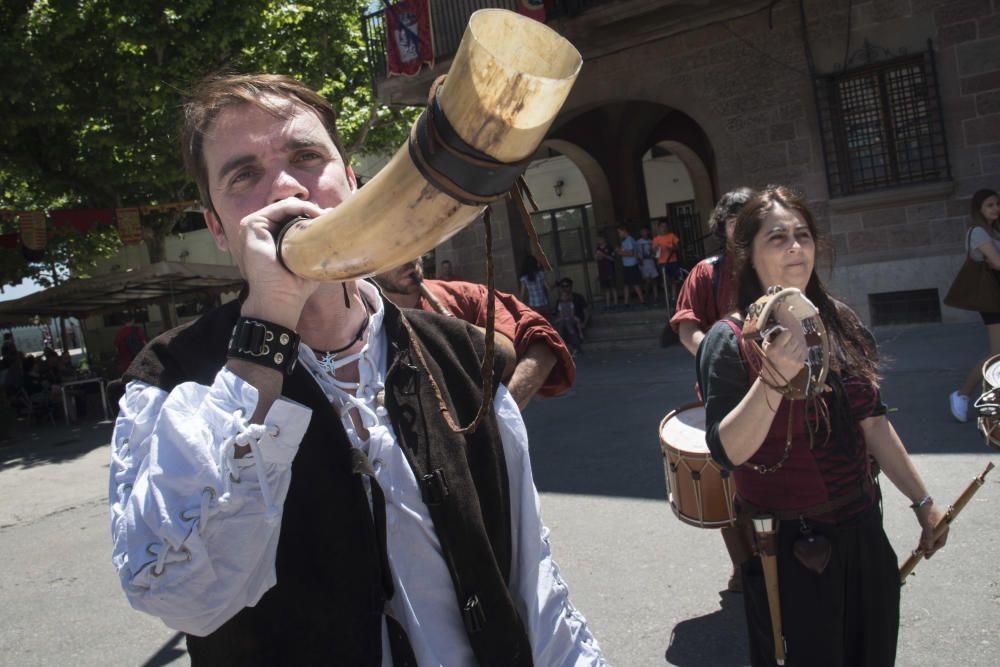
527,25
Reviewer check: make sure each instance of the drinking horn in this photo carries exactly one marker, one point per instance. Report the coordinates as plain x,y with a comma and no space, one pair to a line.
483,124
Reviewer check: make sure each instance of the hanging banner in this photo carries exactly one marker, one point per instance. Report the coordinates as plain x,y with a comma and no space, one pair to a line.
33,232
409,42
82,219
129,225
533,9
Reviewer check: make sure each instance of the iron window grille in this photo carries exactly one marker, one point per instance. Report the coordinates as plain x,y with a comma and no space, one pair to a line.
882,125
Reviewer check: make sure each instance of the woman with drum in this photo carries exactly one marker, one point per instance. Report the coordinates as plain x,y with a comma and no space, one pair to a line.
807,463
983,242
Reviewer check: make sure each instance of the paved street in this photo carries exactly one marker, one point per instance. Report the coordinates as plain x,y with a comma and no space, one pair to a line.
649,585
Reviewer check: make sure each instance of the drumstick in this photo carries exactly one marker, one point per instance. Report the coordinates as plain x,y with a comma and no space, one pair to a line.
429,295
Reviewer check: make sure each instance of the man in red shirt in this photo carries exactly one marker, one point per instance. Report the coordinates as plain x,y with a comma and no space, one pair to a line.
129,341
544,363
706,296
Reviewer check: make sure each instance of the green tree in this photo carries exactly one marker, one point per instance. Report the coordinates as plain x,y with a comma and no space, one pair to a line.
91,91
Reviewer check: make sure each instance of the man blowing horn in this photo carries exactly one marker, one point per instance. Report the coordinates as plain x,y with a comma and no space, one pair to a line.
284,488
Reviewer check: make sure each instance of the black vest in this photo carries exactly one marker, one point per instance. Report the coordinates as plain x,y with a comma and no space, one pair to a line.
332,573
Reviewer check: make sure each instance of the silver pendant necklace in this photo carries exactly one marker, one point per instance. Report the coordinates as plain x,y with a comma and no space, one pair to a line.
329,359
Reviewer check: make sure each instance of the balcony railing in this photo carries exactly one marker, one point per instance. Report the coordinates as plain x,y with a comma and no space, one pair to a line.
448,21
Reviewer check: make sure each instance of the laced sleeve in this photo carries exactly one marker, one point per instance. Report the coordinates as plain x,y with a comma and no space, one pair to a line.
195,529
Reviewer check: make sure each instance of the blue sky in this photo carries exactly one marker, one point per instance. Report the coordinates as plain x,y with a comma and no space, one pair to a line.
24,289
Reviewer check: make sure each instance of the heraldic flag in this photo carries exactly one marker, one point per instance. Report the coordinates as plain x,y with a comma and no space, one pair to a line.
533,9
409,42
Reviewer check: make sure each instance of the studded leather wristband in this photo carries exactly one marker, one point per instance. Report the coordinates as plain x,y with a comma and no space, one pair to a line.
265,344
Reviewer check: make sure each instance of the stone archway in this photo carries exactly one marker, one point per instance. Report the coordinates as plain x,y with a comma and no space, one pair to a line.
611,140
593,174
701,179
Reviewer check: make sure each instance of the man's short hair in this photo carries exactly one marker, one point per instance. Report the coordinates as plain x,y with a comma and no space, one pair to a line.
217,93
566,282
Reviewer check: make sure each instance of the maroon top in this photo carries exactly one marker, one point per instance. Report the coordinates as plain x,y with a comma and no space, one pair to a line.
835,465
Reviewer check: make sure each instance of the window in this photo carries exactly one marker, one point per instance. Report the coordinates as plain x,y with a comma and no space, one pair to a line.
882,127
908,307
564,233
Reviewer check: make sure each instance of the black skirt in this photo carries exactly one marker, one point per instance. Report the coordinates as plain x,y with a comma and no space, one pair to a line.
846,616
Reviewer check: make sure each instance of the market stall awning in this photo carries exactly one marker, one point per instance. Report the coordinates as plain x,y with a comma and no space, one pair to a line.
163,282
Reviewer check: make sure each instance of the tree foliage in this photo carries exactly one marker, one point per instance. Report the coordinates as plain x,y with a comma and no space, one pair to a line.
91,92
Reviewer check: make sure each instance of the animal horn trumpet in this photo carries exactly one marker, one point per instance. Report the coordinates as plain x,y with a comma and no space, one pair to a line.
508,80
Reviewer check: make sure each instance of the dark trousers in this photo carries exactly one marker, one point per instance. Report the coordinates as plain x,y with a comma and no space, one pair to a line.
848,616
567,329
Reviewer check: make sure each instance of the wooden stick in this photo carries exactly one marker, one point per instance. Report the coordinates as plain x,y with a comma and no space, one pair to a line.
431,298
763,527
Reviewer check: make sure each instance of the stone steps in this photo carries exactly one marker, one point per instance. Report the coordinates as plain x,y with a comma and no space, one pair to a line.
633,329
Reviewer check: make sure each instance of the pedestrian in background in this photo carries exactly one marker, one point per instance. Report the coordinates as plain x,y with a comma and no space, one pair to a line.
129,341
647,264
665,245
982,245
534,290
605,257
630,265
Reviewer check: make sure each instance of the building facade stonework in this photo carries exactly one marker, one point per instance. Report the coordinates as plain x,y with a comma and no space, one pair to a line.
734,95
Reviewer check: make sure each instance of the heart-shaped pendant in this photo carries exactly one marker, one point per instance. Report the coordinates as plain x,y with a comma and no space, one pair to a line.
813,551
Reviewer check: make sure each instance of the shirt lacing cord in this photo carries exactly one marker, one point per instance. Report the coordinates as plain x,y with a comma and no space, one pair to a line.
568,609
165,555
250,435
341,391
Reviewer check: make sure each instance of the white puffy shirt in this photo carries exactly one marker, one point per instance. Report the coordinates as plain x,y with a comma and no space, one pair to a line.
195,531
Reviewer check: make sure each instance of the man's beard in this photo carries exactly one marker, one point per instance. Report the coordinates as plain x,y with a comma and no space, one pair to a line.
396,286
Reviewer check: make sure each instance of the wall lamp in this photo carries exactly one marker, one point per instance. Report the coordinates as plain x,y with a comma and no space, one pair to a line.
558,187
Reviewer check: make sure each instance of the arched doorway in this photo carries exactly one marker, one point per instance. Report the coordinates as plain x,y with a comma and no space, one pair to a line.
630,152
679,192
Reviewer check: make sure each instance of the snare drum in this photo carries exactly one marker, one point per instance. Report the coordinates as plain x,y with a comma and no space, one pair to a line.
699,491
987,406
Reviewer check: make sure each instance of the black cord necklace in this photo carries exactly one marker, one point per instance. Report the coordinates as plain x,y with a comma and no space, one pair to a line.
330,356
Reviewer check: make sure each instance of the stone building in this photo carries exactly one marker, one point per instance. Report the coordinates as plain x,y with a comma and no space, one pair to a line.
884,113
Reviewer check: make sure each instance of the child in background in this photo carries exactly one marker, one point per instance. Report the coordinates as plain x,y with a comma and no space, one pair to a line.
567,323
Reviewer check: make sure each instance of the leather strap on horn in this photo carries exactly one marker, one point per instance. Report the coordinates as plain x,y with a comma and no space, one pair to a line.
454,167
473,178
465,173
